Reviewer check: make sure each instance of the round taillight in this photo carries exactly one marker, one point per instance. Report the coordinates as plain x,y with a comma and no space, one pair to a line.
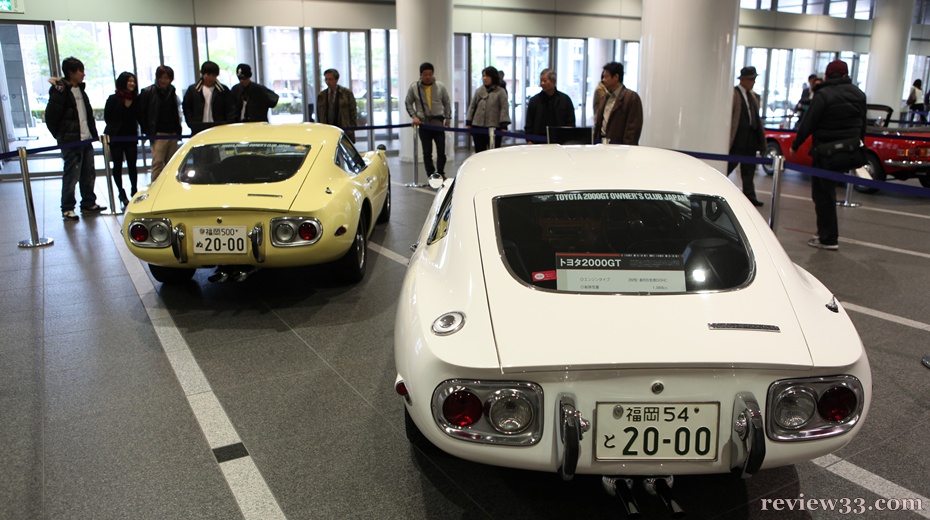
837,404
401,389
139,232
462,408
307,231
283,232
159,232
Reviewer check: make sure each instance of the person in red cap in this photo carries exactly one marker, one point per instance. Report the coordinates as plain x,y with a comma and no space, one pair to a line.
836,115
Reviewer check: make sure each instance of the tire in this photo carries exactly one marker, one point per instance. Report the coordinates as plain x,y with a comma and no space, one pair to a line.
924,180
772,148
353,264
171,275
385,215
873,169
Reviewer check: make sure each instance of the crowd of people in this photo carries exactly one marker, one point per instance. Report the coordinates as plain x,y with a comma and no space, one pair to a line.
832,110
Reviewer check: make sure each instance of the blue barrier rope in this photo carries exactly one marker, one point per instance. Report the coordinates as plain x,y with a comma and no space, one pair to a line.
838,177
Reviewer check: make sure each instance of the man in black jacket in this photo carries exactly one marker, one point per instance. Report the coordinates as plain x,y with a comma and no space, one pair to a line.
208,101
250,99
161,116
548,108
70,119
837,113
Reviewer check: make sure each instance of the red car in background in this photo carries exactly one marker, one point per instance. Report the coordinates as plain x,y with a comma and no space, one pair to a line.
891,153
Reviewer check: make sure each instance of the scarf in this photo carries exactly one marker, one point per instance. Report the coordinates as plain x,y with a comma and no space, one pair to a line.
125,94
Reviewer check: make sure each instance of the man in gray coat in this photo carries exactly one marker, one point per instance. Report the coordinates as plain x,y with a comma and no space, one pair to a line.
746,133
428,104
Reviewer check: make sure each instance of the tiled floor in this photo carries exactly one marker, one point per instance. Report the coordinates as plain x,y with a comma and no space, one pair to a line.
96,424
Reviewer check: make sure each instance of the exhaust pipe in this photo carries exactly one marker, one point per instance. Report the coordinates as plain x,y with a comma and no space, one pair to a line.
662,487
219,277
622,488
240,276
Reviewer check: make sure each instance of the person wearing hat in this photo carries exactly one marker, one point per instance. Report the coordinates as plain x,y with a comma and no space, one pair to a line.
746,133
837,113
251,100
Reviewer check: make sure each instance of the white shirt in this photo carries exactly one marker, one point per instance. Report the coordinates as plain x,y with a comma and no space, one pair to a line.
207,105
82,113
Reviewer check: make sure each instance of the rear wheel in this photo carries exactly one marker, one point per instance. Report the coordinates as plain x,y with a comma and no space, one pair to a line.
772,149
872,170
352,265
171,275
385,215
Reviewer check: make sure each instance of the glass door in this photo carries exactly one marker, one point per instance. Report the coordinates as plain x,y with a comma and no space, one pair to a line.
461,87
532,58
25,70
570,71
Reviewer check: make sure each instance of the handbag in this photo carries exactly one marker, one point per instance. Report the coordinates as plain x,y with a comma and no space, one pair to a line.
841,156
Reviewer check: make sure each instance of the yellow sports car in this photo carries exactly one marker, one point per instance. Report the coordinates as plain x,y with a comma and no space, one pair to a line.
246,196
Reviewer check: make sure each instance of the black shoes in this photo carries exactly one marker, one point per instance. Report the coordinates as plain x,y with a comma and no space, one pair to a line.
93,209
123,200
755,202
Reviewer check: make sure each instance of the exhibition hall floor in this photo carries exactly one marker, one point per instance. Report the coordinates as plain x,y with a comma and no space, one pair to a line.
273,398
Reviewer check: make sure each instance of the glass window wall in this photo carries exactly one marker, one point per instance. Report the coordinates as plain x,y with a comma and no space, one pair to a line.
570,68
281,72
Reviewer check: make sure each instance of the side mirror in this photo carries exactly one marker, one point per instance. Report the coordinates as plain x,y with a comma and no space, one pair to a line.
436,181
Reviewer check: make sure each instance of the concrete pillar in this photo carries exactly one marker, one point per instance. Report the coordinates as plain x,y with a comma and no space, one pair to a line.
687,75
424,33
891,32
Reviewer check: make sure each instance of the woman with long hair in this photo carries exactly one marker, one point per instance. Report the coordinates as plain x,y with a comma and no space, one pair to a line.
488,109
121,114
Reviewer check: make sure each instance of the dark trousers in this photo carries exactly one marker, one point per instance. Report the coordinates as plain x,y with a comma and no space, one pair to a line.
427,138
482,139
129,151
823,193
79,170
748,173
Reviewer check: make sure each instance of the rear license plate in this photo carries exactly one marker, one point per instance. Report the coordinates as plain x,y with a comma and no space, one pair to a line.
220,239
656,431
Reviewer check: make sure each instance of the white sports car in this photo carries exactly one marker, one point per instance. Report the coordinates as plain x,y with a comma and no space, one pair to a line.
619,311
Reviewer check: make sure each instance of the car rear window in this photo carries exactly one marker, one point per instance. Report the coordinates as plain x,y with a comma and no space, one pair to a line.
242,163
622,242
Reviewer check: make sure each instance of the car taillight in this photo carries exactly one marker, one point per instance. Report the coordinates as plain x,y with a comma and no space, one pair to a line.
914,153
837,404
307,231
139,232
462,408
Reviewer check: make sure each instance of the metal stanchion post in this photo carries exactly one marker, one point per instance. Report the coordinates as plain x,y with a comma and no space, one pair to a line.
491,137
105,140
35,241
144,156
416,158
848,203
778,167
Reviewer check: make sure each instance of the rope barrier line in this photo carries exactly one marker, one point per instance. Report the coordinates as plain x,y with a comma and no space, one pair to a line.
839,177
